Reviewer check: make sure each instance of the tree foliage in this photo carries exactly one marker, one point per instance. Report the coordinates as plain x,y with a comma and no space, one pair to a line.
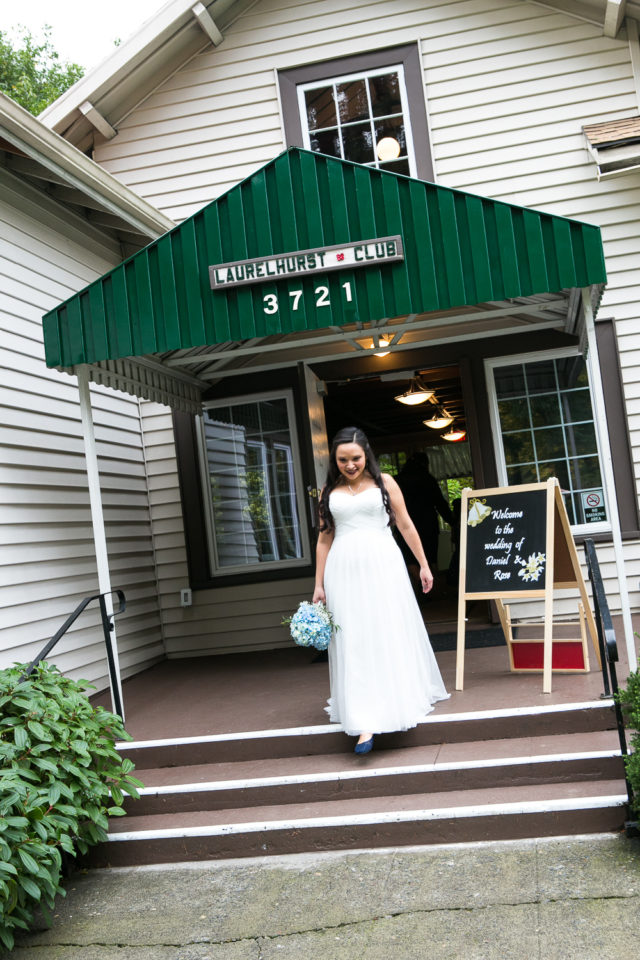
32,72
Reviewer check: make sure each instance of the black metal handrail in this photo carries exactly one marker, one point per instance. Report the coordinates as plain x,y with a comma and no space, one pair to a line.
107,627
607,645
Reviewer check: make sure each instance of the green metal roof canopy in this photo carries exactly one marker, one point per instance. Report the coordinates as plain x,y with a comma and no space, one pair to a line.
459,249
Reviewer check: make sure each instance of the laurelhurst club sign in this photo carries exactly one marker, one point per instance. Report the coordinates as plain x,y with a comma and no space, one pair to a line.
365,253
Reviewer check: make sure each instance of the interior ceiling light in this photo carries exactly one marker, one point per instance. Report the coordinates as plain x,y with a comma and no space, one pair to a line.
439,420
383,341
388,149
454,435
417,393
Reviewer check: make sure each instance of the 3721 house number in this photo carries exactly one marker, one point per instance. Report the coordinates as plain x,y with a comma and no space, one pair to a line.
272,305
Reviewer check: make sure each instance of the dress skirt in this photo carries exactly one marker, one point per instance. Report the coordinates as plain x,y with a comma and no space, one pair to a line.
383,672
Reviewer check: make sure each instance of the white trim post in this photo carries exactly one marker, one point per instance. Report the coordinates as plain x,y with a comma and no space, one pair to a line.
600,418
97,516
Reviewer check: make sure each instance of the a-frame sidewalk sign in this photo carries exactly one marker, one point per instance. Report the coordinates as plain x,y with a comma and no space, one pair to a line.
516,543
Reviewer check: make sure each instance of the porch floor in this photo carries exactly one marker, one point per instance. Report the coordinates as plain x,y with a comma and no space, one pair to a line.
284,688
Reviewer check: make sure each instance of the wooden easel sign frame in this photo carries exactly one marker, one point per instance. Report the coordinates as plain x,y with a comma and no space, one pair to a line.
516,543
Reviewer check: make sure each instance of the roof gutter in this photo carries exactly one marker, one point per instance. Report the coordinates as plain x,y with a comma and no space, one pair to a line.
63,160
159,30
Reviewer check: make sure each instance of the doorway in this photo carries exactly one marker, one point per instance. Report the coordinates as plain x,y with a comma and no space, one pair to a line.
405,445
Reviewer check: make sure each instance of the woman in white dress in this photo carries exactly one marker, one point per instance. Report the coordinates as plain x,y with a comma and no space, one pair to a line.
384,675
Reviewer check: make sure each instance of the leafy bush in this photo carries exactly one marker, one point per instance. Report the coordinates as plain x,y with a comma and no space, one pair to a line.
60,777
629,700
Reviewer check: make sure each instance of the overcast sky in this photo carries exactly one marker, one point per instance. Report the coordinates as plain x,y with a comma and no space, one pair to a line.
82,31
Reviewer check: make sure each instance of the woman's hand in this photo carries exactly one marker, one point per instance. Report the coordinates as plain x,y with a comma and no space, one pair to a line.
319,595
426,579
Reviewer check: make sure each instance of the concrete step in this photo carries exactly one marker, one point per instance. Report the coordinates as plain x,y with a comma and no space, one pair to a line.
366,778
504,812
600,740
326,739
502,773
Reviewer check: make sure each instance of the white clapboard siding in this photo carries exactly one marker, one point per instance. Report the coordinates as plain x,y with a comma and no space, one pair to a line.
506,122
221,620
47,556
508,88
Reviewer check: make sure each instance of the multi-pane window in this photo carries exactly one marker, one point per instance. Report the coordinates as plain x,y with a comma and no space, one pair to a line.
250,484
361,117
547,428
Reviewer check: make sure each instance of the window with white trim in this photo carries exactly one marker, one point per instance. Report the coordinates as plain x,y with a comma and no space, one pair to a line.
252,484
347,106
544,427
362,117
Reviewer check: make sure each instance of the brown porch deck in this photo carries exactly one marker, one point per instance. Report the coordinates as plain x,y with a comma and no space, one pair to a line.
284,688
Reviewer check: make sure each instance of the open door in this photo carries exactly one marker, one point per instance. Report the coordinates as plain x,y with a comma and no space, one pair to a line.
318,427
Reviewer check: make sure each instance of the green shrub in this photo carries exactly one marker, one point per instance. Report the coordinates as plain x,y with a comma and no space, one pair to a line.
629,700
60,777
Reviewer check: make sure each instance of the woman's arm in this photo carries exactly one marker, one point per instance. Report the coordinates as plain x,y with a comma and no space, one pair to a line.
325,539
406,527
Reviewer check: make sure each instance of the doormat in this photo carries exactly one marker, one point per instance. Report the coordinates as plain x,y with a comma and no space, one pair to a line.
488,637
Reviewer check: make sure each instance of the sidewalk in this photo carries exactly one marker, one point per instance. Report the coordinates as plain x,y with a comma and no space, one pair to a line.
575,898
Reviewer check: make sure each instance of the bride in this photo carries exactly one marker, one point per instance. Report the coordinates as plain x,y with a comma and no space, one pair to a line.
384,676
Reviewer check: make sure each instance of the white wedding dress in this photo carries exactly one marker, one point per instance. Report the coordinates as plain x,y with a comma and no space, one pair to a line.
383,672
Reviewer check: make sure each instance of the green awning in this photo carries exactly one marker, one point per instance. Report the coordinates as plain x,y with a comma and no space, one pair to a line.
458,249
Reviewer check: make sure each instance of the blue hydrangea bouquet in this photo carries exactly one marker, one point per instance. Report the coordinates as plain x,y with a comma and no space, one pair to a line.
311,625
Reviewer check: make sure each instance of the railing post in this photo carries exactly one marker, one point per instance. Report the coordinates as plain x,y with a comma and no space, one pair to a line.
607,639
604,658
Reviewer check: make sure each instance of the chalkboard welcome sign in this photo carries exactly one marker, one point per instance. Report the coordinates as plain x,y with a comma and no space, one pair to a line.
515,542
507,542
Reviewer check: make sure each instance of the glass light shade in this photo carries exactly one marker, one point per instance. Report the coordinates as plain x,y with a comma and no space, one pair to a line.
438,421
388,149
415,394
453,435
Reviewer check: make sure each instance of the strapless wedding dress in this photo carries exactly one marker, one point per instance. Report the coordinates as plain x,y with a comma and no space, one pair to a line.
384,675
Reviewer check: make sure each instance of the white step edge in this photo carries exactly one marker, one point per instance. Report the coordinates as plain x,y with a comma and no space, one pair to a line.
504,712
328,776
363,819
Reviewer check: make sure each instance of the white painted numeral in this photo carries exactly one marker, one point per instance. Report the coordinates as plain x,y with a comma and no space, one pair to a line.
347,291
271,303
296,294
323,297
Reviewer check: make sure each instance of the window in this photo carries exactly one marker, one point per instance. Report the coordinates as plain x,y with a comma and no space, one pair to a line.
358,118
546,429
345,107
251,486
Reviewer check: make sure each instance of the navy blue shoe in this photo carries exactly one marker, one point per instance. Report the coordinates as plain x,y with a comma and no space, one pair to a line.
364,747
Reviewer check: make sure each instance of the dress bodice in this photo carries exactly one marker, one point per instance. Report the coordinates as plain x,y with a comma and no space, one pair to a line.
355,513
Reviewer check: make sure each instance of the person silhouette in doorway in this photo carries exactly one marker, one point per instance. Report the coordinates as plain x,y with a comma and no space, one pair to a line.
425,503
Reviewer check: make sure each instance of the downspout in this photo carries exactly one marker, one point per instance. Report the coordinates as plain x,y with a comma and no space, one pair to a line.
97,517
595,380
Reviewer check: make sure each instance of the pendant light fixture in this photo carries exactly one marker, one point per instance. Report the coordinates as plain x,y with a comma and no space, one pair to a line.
454,435
439,420
388,149
417,393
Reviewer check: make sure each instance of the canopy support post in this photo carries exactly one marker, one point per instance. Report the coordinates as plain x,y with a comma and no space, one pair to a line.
99,535
600,417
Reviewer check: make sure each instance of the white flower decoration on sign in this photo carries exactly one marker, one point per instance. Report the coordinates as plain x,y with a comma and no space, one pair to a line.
533,567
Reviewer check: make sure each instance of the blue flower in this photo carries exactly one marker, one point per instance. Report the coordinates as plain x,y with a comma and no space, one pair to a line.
311,625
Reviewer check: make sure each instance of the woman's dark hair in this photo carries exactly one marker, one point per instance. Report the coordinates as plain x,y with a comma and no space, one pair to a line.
334,477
